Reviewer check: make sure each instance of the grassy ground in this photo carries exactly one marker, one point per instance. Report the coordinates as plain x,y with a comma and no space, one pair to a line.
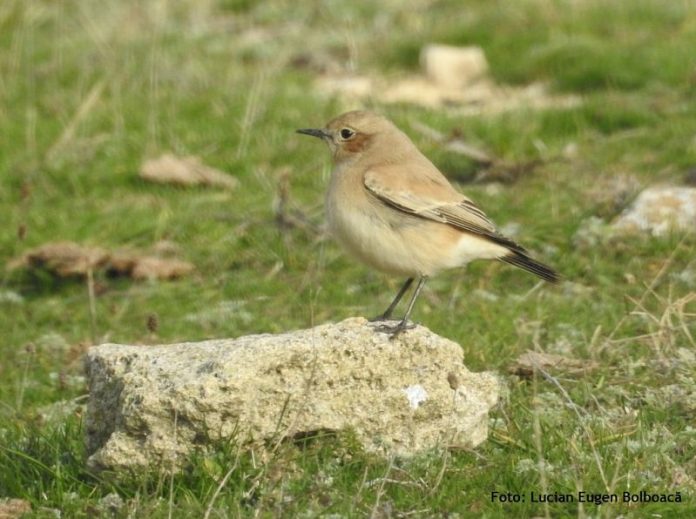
88,89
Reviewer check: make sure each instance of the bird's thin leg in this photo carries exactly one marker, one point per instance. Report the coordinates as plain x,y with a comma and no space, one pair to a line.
389,311
416,292
404,324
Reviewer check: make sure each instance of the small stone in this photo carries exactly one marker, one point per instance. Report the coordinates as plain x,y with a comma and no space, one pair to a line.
455,78
154,405
185,171
11,297
111,504
453,67
659,210
526,364
14,508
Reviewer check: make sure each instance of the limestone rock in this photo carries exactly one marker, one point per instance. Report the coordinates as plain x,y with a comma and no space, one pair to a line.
659,210
155,404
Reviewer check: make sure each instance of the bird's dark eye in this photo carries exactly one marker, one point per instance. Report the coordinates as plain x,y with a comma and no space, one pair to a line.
347,133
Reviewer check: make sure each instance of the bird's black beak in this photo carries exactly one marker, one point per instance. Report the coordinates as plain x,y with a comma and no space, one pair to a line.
314,133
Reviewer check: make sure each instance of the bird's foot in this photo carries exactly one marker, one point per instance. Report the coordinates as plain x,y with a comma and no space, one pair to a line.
394,330
380,318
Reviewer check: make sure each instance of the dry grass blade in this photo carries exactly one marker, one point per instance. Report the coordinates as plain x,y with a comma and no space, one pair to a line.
221,485
376,511
576,409
83,110
509,172
650,288
286,215
454,144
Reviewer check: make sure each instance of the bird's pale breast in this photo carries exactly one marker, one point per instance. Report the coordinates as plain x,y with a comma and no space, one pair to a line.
391,240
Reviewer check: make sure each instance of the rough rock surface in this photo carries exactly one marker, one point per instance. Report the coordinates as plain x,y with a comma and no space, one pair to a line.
155,404
659,210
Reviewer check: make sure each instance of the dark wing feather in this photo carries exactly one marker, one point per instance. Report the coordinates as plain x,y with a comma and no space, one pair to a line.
432,200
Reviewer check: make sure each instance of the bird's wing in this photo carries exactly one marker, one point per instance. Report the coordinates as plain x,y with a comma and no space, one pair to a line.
428,194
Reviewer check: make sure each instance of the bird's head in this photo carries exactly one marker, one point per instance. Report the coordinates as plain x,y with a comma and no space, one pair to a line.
351,134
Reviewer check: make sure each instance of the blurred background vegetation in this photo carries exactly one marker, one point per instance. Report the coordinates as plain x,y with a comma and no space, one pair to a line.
89,90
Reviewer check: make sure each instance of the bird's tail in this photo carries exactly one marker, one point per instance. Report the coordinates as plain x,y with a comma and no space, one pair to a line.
521,260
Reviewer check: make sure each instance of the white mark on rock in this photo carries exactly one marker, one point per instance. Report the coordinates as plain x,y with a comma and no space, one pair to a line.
416,395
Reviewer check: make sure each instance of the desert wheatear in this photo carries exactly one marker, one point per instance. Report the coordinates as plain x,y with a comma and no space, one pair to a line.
389,206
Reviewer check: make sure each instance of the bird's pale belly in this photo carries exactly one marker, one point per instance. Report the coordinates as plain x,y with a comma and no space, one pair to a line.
371,240
402,244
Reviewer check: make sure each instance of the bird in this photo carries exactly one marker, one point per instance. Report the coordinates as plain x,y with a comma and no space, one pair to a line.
389,206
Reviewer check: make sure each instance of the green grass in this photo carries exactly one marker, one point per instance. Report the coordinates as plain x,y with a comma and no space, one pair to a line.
90,89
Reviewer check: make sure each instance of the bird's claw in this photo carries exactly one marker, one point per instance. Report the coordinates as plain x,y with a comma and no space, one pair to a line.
394,330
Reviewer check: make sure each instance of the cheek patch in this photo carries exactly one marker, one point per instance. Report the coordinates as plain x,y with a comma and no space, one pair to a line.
357,143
